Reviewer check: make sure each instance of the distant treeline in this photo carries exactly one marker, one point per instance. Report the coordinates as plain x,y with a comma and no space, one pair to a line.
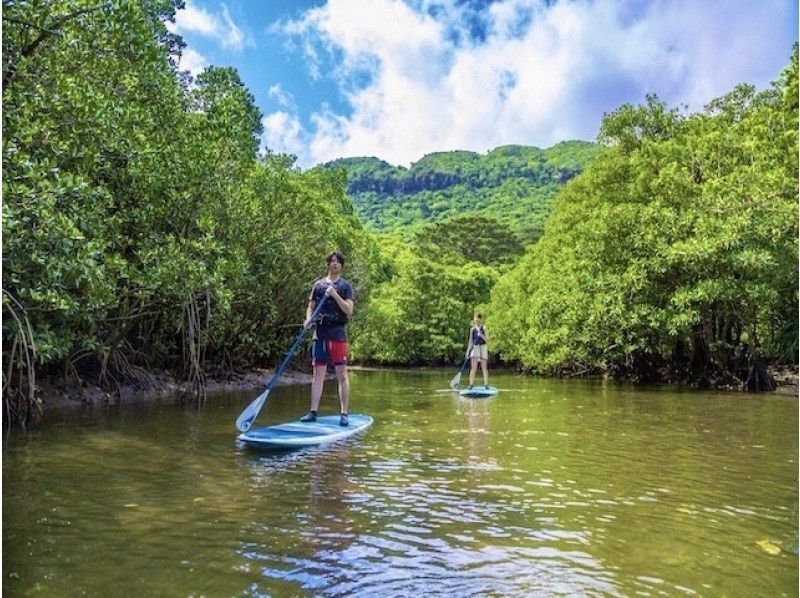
515,184
440,170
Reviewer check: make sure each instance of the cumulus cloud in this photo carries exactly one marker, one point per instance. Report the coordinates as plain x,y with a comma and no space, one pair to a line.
283,134
220,27
441,75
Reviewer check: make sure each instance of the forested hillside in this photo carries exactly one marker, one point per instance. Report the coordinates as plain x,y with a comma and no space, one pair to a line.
515,184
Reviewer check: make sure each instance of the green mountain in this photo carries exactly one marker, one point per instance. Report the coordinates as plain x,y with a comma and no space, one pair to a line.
514,183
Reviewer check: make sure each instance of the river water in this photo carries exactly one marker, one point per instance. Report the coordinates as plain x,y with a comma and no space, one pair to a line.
551,487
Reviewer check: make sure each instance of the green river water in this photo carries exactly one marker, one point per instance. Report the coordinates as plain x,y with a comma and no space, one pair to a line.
550,488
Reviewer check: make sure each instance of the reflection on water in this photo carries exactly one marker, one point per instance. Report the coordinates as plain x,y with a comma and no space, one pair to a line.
551,487
412,536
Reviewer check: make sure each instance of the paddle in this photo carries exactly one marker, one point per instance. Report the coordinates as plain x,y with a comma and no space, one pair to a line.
457,378
246,417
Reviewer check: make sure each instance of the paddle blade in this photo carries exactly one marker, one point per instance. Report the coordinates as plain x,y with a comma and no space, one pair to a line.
456,380
246,417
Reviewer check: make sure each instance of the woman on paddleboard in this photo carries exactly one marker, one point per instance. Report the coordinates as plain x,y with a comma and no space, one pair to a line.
478,338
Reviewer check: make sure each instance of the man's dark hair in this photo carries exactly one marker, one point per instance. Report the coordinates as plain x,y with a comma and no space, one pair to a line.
479,316
337,254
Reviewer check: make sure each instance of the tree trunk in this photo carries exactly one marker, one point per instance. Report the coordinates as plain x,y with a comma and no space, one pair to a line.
759,380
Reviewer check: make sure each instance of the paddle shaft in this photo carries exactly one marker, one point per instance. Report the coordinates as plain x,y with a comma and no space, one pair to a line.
463,365
297,341
245,419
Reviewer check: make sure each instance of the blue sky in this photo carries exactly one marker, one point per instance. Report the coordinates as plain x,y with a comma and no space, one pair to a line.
398,79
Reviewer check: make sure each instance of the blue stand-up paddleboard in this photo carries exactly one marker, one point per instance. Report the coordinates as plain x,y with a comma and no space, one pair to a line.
479,392
297,434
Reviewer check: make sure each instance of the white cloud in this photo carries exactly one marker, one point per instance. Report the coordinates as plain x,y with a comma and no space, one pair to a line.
197,20
192,61
536,72
283,134
220,27
280,95
232,36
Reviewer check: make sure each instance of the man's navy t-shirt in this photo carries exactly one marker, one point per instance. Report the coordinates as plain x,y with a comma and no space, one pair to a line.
332,320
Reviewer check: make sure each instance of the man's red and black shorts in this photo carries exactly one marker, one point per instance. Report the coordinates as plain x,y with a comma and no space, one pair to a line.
324,352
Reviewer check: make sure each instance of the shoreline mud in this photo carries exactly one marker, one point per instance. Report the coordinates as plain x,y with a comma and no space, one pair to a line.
160,387
787,379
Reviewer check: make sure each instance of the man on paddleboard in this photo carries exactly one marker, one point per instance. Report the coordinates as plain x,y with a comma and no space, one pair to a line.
330,337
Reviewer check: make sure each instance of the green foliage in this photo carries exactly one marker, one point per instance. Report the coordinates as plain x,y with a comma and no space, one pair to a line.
421,308
515,184
458,221
422,313
679,242
470,237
